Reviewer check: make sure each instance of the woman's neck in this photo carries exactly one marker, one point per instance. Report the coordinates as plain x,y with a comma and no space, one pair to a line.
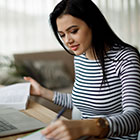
90,55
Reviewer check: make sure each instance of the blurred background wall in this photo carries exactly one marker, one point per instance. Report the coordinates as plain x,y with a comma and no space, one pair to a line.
24,24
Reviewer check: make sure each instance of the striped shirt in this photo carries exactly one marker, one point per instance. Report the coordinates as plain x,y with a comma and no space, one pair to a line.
118,100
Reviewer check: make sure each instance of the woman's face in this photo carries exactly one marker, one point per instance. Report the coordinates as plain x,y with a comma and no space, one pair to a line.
75,33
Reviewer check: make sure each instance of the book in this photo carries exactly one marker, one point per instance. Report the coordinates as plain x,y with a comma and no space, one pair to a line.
15,96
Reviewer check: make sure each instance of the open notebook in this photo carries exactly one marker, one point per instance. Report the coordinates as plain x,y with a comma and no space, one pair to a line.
13,122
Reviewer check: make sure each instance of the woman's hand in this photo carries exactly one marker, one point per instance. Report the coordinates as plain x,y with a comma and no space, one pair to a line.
35,86
73,129
63,130
38,90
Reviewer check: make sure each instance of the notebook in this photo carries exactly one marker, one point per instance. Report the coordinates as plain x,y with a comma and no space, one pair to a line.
13,122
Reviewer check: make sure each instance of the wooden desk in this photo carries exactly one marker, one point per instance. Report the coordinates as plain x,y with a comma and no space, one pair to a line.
37,111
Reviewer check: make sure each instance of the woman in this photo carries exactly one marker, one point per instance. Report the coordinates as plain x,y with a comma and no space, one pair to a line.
107,76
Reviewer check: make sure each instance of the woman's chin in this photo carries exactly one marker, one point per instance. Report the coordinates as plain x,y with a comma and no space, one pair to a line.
77,52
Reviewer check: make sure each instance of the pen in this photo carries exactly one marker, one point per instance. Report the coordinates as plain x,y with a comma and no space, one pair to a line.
60,113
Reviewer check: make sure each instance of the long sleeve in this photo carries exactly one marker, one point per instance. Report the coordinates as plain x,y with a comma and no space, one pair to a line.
128,121
118,100
63,99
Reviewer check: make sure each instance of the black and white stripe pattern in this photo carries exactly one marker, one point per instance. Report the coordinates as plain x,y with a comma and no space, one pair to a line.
118,100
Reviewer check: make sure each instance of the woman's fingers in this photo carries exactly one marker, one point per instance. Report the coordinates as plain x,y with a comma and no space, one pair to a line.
59,133
35,86
27,78
60,130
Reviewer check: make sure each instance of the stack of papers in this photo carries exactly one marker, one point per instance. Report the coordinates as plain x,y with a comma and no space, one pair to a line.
15,96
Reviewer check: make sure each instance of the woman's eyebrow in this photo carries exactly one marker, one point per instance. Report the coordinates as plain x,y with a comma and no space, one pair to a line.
69,28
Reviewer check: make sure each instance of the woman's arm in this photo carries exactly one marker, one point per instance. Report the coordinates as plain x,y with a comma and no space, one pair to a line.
62,99
38,90
72,130
128,121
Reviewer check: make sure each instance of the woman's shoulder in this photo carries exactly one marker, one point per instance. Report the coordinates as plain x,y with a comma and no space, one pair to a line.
125,52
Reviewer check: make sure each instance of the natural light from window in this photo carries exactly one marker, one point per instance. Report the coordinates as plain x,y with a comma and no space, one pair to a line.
24,24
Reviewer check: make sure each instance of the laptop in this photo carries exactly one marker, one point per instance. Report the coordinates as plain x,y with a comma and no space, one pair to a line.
13,121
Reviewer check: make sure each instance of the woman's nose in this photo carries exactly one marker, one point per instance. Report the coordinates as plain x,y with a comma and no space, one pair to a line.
69,40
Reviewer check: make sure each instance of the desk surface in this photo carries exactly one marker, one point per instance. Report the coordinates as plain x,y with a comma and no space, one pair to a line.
37,111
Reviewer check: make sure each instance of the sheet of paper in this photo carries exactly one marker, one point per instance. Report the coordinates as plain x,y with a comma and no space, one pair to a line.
34,136
15,95
38,136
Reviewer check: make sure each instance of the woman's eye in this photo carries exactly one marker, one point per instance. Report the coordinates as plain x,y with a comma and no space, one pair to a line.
62,35
74,31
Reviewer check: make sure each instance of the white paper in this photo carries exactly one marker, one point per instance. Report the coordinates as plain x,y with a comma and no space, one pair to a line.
34,136
38,136
15,95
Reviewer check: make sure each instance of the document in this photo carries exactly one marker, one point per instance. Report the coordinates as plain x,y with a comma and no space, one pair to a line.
38,136
15,95
34,136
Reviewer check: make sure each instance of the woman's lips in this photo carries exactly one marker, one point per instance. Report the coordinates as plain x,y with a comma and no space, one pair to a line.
74,48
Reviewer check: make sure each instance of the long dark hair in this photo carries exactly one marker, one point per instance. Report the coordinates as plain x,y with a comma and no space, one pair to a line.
102,34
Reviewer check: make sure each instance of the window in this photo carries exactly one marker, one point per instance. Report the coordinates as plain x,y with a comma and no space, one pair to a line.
24,25
124,18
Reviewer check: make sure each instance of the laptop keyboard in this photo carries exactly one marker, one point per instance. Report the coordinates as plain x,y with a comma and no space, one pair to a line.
4,125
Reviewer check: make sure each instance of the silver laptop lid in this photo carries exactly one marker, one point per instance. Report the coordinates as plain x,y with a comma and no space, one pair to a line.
17,122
